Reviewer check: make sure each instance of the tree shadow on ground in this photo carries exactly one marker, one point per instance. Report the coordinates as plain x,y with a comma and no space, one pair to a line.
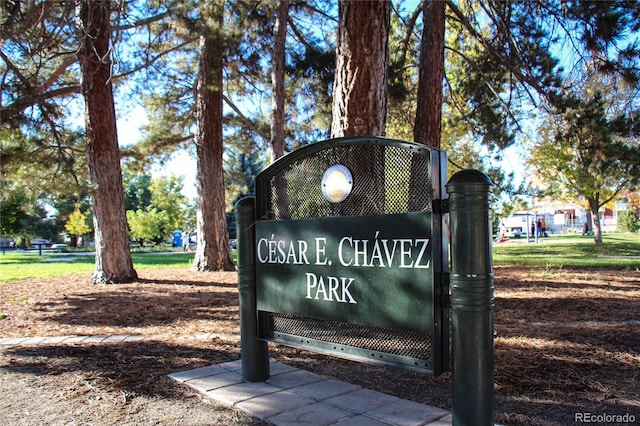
137,368
586,309
139,309
186,282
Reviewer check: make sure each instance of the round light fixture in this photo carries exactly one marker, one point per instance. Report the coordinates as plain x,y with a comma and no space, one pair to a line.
336,183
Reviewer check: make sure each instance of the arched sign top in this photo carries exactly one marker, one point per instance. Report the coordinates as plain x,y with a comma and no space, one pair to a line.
308,150
351,176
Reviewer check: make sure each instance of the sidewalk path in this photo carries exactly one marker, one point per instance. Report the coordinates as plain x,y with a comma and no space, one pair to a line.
293,397
35,341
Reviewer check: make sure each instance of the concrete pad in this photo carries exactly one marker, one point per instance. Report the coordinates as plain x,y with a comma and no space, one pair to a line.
233,394
294,378
217,381
316,414
94,339
135,338
360,420
298,397
34,340
196,373
269,405
276,368
14,340
443,421
116,338
407,413
232,365
75,339
54,340
362,400
325,389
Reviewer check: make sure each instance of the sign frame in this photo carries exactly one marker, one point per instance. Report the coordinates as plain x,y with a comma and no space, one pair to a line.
268,275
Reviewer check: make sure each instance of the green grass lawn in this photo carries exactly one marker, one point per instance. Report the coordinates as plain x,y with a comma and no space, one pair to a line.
19,265
619,251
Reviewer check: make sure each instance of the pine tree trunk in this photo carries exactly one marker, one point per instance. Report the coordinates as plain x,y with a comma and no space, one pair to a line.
360,93
113,255
362,59
212,253
427,124
281,198
427,128
277,81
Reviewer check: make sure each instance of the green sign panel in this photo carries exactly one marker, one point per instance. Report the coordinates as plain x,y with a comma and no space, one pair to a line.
369,270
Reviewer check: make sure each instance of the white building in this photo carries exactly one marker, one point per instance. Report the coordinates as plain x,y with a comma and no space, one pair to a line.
560,218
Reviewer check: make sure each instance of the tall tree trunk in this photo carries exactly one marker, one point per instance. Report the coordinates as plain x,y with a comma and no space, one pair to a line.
360,94
427,128
212,253
113,255
427,124
277,81
362,61
281,198
594,206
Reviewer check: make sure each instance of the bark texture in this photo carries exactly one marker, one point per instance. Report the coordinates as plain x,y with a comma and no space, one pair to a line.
427,124
362,56
360,93
277,142
277,81
113,255
212,253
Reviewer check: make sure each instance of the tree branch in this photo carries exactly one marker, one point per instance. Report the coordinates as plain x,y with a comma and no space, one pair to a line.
404,47
494,53
25,102
142,22
491,88
57,73
244,119
153,59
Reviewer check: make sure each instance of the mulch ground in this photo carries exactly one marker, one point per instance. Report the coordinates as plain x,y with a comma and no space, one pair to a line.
566,342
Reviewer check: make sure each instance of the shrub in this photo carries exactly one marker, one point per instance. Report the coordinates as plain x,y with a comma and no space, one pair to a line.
628,221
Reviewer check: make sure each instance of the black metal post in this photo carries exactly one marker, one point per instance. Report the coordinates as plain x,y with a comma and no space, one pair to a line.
472,299
254,352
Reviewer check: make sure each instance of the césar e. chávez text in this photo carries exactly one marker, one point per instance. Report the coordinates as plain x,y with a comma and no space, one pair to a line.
349,252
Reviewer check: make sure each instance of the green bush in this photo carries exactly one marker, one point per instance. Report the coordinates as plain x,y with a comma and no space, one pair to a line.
628,221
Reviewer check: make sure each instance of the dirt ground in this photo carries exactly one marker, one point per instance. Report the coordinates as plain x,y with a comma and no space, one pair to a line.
566,342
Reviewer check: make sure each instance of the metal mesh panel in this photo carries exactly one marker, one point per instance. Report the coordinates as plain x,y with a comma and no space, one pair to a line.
387,180
403,343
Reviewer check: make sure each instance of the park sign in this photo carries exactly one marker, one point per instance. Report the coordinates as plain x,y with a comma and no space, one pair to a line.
345,251
348,254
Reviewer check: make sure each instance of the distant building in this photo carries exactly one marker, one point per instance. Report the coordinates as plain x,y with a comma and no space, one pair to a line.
515,226
561,218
